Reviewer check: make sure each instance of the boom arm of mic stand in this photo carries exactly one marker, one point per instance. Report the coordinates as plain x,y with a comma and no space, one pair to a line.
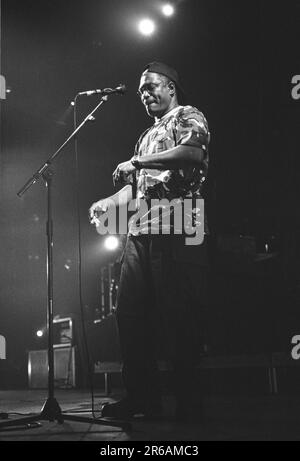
42,170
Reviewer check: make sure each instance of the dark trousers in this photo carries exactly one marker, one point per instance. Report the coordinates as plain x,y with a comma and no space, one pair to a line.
161,297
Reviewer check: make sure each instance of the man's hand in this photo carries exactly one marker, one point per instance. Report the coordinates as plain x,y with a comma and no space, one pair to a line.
97,209
122,172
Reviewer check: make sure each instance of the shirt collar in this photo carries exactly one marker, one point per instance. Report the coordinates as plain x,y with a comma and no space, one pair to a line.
171,112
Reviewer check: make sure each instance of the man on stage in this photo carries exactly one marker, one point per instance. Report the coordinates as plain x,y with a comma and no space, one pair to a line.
163,283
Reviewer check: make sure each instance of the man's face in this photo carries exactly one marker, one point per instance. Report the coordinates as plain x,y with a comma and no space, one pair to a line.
155,94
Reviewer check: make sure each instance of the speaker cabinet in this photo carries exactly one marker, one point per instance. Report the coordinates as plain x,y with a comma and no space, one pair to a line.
64,368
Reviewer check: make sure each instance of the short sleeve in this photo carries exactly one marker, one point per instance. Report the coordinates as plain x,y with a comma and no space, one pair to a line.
191,128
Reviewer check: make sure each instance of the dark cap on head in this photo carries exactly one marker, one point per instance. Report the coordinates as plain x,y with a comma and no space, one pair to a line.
167,71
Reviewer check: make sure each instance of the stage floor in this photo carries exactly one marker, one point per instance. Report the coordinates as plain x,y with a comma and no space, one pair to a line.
227,418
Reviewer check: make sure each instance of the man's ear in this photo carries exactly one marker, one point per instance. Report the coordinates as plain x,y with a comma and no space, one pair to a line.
172,88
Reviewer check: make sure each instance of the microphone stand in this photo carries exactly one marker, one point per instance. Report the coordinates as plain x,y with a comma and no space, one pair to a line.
51,410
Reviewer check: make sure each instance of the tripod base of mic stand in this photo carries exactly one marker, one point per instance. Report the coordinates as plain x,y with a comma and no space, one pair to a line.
51,412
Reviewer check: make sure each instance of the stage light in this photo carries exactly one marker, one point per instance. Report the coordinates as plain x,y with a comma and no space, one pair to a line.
168,9
146,27
111,243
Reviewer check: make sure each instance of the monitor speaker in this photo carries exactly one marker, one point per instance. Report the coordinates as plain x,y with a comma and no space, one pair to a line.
64,368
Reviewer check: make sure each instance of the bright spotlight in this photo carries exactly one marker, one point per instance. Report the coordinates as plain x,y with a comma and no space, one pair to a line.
146,27
168,9
111,243
39,333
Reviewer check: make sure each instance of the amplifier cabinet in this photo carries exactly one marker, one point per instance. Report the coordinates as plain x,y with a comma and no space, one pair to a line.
64,368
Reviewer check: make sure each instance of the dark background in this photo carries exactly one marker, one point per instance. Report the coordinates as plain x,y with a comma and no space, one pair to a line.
236,61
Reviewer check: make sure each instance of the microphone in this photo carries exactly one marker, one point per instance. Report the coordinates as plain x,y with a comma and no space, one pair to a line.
105,91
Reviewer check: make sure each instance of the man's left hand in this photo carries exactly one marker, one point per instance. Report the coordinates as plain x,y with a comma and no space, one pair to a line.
122,172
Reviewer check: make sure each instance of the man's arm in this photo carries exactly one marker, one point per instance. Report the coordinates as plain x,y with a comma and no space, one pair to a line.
181,156
122,197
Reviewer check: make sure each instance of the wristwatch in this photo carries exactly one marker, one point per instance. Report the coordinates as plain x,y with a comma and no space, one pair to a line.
136,163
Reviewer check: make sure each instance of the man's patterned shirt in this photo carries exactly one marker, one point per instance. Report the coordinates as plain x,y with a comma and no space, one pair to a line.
185,126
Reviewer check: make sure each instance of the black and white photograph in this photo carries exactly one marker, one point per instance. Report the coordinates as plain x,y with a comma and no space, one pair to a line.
150,237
